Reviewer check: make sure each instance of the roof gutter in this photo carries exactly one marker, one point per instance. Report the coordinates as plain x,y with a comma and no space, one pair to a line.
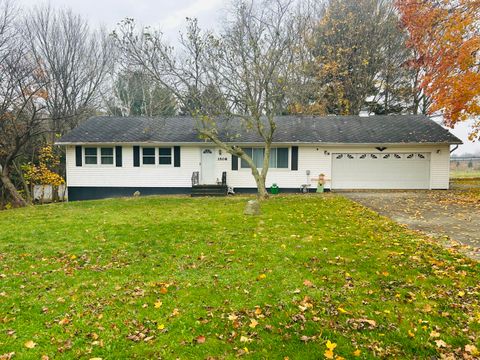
455,148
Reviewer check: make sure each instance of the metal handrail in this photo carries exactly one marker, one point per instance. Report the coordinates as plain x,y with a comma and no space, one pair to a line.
195,178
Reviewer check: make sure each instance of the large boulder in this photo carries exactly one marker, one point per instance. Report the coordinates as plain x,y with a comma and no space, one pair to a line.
252,207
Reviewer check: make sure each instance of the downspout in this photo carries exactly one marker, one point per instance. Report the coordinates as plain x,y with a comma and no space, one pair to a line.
455,148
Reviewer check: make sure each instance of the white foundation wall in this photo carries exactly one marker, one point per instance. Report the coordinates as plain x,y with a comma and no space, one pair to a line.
315,159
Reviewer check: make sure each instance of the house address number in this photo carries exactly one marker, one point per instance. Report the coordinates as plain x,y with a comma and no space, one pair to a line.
222,158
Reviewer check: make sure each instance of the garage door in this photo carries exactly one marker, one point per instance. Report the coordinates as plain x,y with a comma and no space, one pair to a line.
380,171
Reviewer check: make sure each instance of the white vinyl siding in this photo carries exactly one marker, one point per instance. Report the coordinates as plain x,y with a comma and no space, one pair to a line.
312,158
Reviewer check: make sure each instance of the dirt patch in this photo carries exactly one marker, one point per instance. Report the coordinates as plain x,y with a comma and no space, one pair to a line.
447,215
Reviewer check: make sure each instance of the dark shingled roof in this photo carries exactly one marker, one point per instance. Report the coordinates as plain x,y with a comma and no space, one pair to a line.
378,129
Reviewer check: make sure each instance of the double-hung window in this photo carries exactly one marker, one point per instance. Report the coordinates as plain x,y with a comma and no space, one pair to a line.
278,157
157,156
106,156
91,156
99,156
148,156
165,156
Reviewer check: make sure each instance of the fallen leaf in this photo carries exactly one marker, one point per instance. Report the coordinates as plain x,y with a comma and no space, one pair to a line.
64,321
427,308
330,345
200,339
158,304
253,323
328,354
30,344
440,343
472,349
308,283
261,277
245,339
357,353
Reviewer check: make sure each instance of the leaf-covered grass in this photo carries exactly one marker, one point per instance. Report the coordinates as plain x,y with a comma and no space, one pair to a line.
191,278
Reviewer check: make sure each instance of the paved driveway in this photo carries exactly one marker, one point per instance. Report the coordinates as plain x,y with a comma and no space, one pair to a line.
453,213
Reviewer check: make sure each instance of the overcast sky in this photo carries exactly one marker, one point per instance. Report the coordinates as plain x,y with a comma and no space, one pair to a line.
169,15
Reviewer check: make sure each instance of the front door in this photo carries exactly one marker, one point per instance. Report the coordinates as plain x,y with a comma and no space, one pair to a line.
208,166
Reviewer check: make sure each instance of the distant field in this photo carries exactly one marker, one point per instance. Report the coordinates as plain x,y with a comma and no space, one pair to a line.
464,174
464,168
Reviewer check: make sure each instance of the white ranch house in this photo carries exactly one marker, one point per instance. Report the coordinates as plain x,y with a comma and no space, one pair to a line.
117,156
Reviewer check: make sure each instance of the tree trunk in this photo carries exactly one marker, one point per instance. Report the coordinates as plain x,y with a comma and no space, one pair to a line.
17,199
261,188
26,187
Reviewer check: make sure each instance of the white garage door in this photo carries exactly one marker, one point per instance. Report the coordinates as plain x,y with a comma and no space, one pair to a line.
380,171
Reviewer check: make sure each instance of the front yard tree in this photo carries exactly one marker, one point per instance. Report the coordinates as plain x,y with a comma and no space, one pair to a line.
22,98
247,66
446,36
74,59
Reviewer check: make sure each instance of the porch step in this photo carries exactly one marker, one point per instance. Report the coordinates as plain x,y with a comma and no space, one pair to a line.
209,190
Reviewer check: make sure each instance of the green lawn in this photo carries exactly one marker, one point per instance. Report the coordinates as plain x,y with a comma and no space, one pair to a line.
459,174
189,278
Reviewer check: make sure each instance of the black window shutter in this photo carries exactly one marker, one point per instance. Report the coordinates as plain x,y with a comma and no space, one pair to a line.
136,156
176,156
234,162
78,155
294,157
118,156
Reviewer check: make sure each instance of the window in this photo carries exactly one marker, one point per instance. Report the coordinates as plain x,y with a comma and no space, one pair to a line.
165,156
90,156
278,157
106,156
256,154
148,156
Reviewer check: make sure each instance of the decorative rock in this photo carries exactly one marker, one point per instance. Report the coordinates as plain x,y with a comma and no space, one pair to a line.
252,208
136,193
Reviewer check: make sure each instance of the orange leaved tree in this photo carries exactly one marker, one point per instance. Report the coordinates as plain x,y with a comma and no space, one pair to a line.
446,35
